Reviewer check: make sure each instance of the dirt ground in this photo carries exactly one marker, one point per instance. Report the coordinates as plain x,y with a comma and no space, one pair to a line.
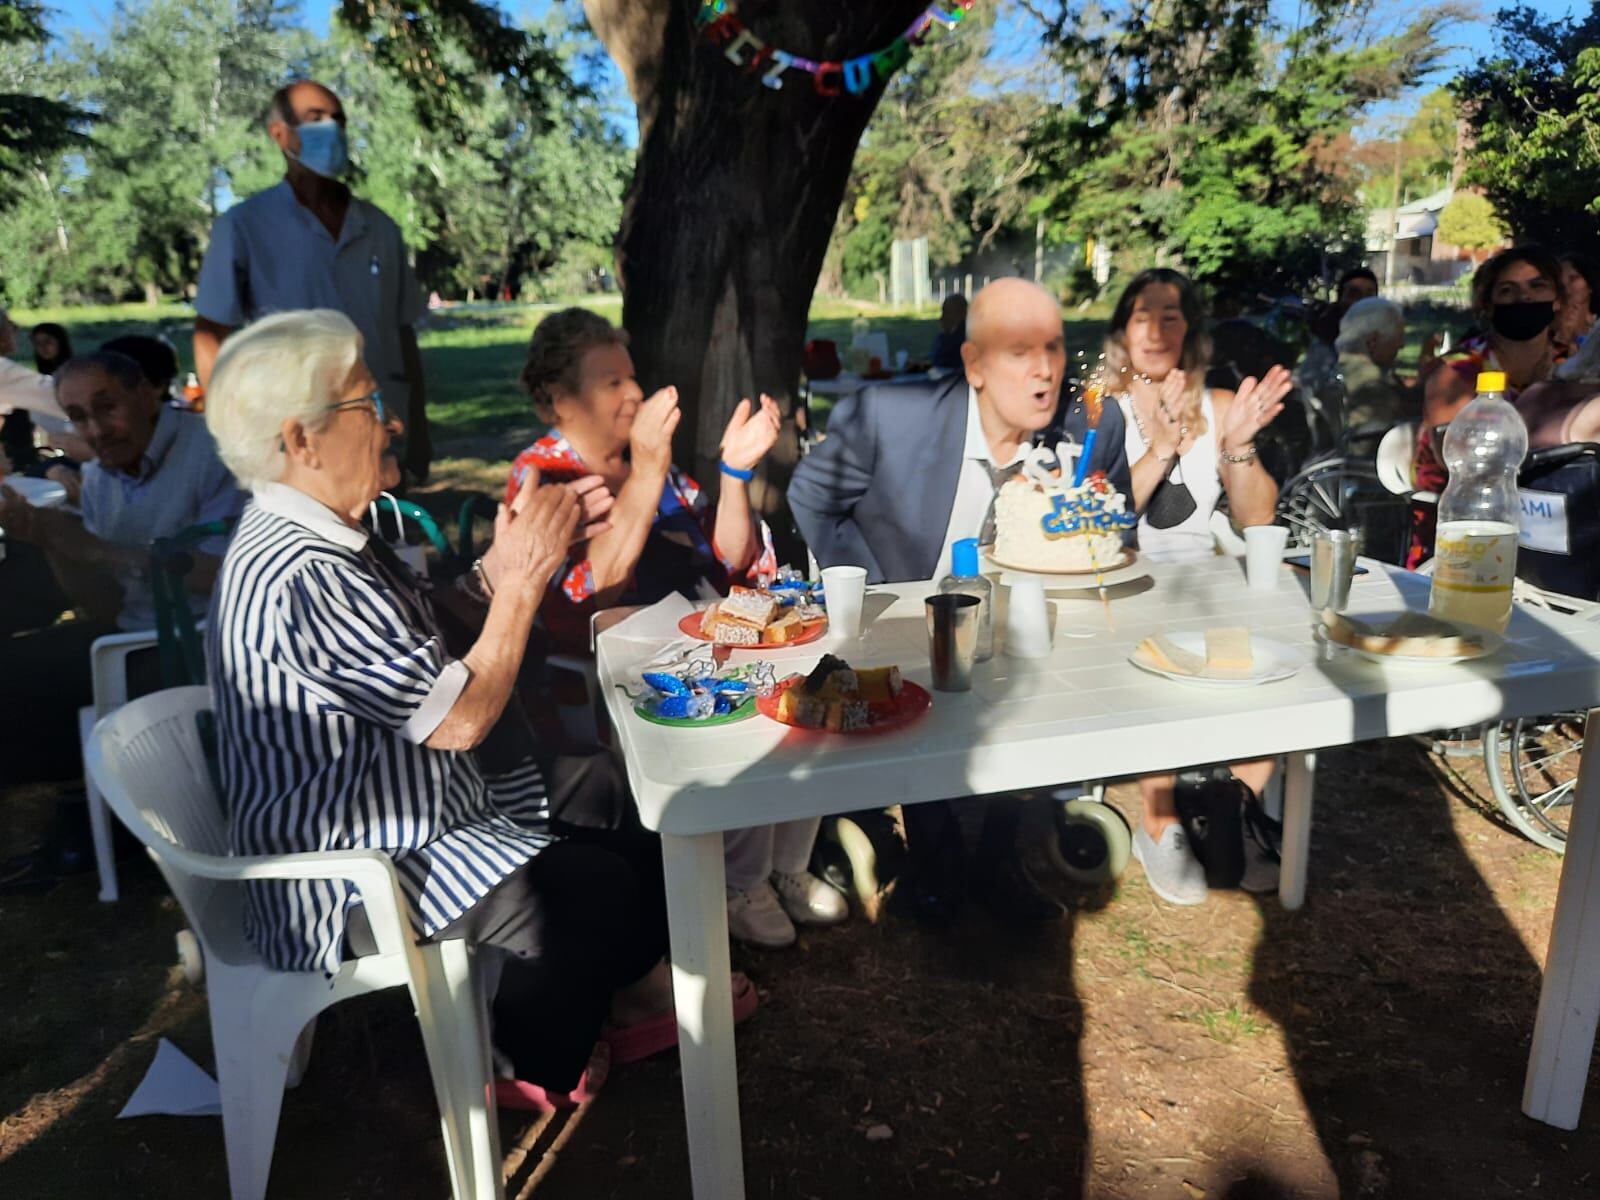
1371,1045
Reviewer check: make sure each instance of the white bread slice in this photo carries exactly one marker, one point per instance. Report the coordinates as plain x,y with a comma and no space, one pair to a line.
1164,654
1228,653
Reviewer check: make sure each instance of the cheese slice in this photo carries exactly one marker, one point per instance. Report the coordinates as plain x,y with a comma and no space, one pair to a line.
1228,653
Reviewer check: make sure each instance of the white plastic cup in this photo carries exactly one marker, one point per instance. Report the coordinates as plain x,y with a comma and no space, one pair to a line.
845,589
1263,556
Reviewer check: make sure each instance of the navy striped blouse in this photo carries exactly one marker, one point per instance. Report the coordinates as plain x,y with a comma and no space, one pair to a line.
328,673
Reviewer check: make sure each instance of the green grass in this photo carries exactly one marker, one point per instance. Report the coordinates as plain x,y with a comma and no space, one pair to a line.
1228,1025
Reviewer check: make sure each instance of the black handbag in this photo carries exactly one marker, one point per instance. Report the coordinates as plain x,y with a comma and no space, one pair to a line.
1211,807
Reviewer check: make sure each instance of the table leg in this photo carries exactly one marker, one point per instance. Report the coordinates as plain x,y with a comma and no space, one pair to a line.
1569,1001
697,912
1298,789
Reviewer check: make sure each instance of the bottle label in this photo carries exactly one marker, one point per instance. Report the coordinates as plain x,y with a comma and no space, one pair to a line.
1475,557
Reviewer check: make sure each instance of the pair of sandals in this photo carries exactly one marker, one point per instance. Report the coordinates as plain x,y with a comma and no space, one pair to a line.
617,1046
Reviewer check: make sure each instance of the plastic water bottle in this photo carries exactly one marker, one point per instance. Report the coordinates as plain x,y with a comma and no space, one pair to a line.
1475,549
965,579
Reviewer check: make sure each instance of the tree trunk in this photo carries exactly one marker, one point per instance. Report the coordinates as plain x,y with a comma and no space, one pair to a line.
732,203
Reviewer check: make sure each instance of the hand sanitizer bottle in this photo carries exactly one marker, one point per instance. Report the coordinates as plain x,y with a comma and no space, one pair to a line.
965,579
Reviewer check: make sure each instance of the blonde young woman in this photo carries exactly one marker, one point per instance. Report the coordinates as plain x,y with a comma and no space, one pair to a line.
1188,447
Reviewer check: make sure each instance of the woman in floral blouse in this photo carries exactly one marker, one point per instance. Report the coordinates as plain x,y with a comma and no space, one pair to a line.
665,536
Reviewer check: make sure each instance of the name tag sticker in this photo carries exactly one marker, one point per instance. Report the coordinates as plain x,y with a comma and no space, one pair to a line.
1544,522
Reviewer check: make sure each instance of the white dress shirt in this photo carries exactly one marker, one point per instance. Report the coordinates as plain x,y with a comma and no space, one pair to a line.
974,489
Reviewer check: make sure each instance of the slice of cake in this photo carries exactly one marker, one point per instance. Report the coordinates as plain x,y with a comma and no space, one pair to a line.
748,605
879,685
726,631
786,628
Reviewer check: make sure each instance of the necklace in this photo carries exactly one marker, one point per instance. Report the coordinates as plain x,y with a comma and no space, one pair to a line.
1144,434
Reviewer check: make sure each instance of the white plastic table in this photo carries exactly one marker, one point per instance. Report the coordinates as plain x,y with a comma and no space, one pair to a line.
1084,712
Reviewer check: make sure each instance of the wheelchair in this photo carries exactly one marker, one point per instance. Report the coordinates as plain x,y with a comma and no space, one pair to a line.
1532,762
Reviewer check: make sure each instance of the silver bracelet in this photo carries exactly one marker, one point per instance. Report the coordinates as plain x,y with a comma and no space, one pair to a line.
483,578
1237,459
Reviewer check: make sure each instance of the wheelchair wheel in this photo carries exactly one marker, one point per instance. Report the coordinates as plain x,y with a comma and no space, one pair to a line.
1532,764
1322,495
1091,842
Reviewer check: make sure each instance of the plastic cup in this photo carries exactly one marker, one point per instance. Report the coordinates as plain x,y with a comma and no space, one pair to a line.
952,640
845,590
1263,556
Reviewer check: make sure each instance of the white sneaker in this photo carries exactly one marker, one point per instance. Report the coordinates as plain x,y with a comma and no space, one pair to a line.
808,900
1175,874
756,917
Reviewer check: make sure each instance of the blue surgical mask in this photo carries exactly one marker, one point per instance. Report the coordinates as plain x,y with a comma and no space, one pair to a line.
323,148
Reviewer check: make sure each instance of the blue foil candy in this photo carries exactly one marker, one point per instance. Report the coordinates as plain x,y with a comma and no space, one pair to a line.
669,685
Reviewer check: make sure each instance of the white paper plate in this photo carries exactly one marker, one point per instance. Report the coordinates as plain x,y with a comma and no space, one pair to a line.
41,493
1273,661
1491,642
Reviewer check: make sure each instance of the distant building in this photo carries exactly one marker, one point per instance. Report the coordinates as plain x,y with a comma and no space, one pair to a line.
1409,233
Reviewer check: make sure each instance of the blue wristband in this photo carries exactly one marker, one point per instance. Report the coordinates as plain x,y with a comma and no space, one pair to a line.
746,476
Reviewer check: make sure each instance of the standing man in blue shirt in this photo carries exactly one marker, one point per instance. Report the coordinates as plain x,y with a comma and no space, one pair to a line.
308,243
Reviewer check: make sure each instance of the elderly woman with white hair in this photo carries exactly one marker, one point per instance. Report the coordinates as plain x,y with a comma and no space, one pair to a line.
1371,336
344,722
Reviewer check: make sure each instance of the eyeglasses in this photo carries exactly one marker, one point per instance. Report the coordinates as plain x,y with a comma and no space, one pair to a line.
375,397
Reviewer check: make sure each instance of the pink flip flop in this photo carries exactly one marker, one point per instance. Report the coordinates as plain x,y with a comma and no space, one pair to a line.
523,1096
642,1039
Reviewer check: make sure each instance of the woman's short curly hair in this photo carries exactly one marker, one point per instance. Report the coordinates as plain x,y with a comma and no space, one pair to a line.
556,350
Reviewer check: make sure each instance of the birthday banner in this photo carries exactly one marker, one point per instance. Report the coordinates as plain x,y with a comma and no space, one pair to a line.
719,24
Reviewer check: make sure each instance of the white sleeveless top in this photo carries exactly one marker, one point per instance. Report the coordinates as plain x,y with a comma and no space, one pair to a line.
1197,467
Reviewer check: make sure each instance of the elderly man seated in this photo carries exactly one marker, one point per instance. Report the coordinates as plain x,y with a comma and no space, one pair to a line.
905,472
155,474
345,722
1371,336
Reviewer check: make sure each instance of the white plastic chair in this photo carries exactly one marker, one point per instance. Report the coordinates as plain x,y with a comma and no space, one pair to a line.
108,666
148,761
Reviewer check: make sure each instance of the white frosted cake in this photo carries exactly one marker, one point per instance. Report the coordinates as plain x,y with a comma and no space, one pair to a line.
1043,523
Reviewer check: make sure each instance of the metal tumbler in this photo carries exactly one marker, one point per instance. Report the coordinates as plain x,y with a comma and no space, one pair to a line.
952,640
1333,565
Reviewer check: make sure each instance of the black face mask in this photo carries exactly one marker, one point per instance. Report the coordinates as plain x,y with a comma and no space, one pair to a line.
1524,320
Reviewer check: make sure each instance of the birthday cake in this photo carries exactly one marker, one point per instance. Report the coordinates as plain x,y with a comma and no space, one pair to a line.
1044,522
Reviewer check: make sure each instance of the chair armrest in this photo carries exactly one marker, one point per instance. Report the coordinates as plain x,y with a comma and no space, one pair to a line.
371,871
108,658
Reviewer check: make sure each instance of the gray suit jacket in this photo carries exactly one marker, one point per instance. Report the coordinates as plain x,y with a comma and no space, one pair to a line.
877,492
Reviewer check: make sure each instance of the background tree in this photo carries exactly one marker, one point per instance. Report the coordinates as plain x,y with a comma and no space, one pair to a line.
1534,116
34,124
945,157
1210,135
1469,221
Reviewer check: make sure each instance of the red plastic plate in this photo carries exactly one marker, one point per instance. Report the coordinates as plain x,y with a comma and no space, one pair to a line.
905,708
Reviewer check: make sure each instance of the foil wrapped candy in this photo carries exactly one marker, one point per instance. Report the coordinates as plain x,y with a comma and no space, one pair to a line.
695,692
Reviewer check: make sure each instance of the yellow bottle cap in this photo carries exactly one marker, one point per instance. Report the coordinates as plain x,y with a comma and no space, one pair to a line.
1491,381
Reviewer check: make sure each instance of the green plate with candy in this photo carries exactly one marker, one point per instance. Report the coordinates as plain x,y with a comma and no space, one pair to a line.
746,710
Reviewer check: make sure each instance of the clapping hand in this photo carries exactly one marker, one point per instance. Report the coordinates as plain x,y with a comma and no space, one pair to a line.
653,426
1170,437
532,534
1254,406
751,433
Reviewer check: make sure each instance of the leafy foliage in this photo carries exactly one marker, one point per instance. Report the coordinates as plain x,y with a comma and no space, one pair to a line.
33,123
1534,113
1209,135
179,90
945,158
1470,221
